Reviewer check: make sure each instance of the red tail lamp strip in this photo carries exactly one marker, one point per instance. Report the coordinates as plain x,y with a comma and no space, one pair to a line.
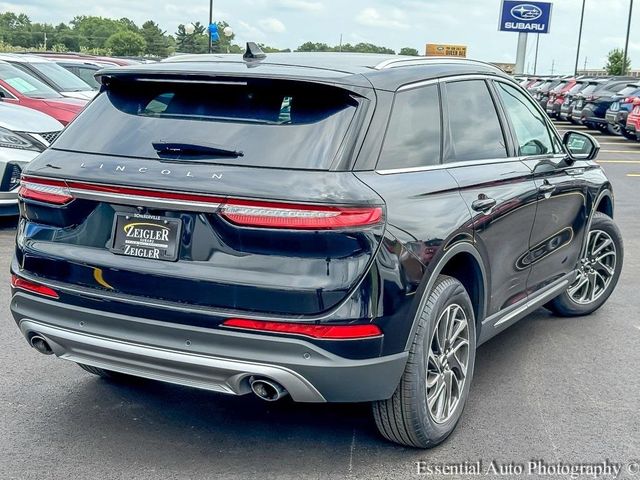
327,332
22,284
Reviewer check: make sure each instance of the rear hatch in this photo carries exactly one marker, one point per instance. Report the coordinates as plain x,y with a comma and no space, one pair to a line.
230,193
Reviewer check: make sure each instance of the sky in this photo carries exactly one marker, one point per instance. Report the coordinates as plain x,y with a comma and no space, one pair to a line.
391,23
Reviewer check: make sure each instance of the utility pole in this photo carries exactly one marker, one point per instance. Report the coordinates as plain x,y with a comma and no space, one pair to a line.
626,43
210,22
553,66
585,63
535,60
340,42
45,41
580,37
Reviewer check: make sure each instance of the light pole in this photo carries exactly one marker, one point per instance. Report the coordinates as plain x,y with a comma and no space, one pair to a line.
210,23
580,37
626,43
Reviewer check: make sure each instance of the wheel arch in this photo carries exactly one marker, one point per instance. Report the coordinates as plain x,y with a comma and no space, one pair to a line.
463,262
604,203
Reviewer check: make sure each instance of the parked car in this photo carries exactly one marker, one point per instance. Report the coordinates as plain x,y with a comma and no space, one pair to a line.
580,99
541,93
596,104
556,96
620,108
633,121
104,61
57,77
20,88
341,250
24,133
83,69
570,98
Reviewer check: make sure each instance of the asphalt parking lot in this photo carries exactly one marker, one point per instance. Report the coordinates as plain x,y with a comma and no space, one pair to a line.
550,389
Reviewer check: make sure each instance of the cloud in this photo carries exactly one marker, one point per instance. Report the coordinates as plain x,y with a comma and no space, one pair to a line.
301,5
371,17
272,25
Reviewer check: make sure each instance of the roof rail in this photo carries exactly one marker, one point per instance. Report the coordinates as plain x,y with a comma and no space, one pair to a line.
402,62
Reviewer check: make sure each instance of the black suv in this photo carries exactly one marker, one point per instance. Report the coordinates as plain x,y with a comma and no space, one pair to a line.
336,227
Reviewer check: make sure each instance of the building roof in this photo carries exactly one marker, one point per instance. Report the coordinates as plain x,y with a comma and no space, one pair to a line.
385,72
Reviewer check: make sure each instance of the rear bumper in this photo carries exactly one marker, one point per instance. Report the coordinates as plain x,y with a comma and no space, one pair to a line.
212,359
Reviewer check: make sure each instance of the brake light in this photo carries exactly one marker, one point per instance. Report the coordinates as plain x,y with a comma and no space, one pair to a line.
327,332
45,190
22,284
630,99
305,217
590,98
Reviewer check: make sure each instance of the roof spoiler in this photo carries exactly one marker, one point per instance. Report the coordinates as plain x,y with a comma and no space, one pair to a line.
253,53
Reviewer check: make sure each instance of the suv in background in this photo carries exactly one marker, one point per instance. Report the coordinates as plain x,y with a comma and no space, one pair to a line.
557,97
570,98
24,133
55,76
543,91
20,88
632,129
321,225
597,103
620,108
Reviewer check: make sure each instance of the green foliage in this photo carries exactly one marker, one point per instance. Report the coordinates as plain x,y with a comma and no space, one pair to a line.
616,64
157,41
126,42
347,47
409,51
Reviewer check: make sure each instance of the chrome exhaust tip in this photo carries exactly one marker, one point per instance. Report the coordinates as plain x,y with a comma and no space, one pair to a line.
40,344
268,390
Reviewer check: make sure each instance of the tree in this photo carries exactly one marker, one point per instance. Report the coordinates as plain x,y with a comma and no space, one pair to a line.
409,51
616,64
96,30
314,47
197,42
155,38
126,43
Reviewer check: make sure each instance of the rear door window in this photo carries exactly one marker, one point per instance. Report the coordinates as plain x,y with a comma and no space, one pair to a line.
413,134
272,123
475,132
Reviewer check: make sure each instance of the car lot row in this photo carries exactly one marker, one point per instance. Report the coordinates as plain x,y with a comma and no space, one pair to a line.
608,104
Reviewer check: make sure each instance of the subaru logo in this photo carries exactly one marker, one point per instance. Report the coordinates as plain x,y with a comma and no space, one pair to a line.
526,11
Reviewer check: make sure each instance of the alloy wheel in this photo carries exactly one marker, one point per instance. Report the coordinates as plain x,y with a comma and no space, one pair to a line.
447,363
596,269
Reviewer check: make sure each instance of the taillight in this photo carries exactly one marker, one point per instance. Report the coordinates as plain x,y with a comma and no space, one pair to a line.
327,332
590,98
306,217
630,99
22,284
45,190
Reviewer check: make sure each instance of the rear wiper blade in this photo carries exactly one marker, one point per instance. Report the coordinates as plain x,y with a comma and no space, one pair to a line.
190,149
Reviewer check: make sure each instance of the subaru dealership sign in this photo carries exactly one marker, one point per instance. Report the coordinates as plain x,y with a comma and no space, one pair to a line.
528,17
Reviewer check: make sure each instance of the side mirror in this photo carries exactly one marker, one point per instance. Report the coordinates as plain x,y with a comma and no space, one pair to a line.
581,146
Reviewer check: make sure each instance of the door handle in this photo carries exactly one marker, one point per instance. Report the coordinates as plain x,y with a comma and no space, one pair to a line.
483,204
546,187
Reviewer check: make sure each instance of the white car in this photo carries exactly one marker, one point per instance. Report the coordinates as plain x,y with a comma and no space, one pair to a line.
24,133
57,77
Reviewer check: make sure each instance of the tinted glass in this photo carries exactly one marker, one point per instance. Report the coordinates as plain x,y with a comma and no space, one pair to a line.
26,84
62,78
413,135
474,128
577,88
274,123
627,90
529,124
86,74
589,89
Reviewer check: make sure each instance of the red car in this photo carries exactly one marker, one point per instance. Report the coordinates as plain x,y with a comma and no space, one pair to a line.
556,97
20,88
633,120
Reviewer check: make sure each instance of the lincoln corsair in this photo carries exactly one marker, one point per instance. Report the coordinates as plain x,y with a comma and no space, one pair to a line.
333,227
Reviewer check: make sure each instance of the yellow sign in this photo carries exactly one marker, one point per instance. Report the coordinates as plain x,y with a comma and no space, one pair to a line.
440,50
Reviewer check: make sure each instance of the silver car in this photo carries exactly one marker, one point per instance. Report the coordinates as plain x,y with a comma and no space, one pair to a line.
24,133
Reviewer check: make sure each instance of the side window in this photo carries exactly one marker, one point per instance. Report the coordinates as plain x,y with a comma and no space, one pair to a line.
413,135
533,136
474,128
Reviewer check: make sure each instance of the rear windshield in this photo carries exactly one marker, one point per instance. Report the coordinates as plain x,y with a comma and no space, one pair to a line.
629,90
559,87
577,88
272,123
590,88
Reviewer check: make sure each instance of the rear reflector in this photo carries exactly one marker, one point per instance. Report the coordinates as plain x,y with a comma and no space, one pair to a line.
327,332
303,217
21,283
55,192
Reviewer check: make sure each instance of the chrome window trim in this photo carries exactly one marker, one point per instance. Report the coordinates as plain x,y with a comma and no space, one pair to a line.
9,95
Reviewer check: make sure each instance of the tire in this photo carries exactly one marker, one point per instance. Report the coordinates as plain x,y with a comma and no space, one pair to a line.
102,372
628,135
614,129
568,304
406,418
